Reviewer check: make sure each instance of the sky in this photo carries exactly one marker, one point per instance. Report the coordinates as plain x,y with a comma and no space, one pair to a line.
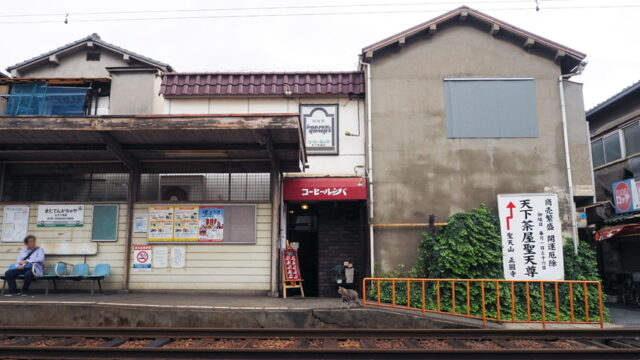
299,35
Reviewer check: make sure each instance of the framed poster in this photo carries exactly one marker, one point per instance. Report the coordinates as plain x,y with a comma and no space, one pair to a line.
15,223
60,215
531,237
161,223
185,224
211,224
320,126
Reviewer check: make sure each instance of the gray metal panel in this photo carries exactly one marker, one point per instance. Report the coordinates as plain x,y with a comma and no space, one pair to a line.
488,108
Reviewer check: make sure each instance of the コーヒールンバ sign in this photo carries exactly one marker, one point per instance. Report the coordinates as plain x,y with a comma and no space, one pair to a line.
60,215
531,237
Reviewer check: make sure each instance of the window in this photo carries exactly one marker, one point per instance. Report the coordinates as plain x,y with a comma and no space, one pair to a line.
606,149
93,56
632,139
490,107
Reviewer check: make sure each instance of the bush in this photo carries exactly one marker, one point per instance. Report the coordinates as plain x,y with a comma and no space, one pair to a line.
470,247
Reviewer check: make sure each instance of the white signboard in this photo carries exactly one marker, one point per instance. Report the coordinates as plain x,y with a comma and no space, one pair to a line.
178,257
531,237
60,215
320,124
15,223
160,257
142,257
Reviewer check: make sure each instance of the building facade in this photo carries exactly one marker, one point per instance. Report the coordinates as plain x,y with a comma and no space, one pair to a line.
465,107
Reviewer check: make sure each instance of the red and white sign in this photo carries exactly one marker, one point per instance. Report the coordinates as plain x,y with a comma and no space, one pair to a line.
325,189
622,196
142,257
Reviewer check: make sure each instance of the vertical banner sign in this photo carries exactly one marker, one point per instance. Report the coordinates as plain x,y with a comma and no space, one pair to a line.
531,237
320,124
161,223
185,226
211,224
60,215
15,223
142,258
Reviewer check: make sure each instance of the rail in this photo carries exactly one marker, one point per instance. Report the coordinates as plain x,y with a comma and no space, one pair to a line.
505,301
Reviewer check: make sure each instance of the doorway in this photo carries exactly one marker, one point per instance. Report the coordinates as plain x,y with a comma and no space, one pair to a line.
327,233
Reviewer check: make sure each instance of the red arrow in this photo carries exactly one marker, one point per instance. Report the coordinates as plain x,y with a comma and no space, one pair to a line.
510,206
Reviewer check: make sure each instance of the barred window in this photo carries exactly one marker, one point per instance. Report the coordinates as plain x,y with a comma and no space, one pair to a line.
205,187
73,187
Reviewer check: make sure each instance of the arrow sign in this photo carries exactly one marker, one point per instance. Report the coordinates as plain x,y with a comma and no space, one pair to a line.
510,206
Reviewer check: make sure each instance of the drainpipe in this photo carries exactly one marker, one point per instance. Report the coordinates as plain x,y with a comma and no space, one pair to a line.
369,166
567,156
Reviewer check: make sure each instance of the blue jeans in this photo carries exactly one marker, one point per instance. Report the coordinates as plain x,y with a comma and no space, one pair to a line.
12,274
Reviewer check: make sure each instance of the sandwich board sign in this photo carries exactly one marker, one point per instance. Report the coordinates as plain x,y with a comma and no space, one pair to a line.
531,237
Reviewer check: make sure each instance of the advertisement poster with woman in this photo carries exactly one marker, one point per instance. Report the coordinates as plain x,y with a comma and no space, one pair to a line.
211,223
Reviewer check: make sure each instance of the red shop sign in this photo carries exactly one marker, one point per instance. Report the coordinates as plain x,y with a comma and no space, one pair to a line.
354,188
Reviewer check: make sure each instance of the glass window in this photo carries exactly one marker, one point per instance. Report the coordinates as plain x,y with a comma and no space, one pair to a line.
597,153
612,150
632,139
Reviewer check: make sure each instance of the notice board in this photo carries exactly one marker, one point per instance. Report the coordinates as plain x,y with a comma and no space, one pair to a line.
105,223
203,224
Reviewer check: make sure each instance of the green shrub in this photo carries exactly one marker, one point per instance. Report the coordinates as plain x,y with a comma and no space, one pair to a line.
470,247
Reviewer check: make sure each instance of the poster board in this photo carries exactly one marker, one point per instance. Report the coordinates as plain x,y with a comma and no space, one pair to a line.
105,223
15,223
531,237
60,215
203,224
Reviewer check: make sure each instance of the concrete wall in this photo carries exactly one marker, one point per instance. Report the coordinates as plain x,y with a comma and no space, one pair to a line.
135,92
75,65
207,266
418,171
350,118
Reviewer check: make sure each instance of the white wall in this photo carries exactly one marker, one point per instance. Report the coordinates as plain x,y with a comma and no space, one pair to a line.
351,118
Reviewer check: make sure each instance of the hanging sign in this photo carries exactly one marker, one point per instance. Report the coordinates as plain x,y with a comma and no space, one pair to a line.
626,195
185,225
161,223
320,124
60,215
211,224
142,257
531,237
15,223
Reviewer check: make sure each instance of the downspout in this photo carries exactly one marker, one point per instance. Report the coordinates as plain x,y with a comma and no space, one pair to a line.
567,156
369,166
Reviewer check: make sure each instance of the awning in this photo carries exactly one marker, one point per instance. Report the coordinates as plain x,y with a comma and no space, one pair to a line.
308,189
617,231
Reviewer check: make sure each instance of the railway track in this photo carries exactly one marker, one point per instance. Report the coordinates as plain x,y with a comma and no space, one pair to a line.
159,343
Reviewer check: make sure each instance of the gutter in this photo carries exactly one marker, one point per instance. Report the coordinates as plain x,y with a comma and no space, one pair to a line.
370,168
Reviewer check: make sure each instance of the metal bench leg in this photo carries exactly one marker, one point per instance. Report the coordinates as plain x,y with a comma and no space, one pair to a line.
100,287
93,286
55,285
4,285
46,289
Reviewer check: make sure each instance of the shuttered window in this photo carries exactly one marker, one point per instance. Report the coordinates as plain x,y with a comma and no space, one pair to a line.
490,108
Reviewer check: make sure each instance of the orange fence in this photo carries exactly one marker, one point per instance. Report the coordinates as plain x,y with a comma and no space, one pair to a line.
544,302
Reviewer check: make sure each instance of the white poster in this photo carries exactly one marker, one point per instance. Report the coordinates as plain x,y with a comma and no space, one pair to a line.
178,256
140,223
160,257
142,258
320,124
531,237
60,215
15,223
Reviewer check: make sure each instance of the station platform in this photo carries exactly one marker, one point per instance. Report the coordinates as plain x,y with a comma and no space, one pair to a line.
207,310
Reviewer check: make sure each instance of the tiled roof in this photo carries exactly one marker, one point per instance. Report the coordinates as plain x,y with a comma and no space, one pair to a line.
263,84
96,39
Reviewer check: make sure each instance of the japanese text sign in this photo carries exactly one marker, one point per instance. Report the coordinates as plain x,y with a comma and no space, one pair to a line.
325,189
60,215
626,195
320,124
531,237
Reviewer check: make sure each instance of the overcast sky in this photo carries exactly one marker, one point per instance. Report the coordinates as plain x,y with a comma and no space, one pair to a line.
321,36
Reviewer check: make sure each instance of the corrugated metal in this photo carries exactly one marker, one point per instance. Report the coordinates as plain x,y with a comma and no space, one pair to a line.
263,84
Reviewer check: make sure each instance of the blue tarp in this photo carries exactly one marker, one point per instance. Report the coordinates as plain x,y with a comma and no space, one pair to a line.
40,99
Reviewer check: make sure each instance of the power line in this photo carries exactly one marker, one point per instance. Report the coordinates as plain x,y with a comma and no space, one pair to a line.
195,17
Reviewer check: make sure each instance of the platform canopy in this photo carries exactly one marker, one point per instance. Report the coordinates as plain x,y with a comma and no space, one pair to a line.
155,143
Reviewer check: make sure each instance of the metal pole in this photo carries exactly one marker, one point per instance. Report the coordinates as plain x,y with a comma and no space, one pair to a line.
565,134
132,197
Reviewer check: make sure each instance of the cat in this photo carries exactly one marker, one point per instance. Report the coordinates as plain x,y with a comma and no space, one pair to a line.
348,296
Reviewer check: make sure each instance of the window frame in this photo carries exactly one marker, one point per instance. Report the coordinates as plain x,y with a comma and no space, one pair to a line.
624,139
622,145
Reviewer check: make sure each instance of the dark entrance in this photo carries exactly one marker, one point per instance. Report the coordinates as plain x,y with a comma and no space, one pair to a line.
328,233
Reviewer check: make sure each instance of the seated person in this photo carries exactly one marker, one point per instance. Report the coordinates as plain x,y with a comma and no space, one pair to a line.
29,263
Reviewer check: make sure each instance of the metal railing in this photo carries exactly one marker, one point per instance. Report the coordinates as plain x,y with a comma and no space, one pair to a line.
510,301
